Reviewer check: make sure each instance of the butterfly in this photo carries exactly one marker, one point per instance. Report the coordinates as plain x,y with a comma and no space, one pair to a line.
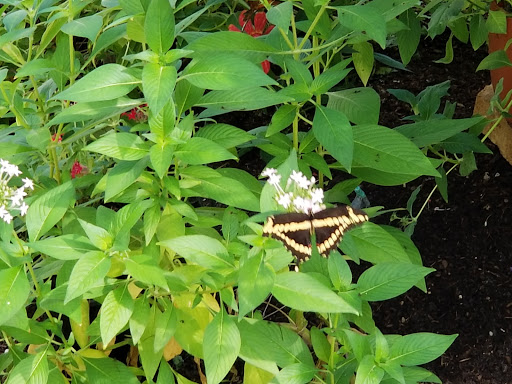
294,230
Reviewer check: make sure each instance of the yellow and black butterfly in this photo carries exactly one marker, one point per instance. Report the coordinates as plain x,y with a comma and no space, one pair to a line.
294,230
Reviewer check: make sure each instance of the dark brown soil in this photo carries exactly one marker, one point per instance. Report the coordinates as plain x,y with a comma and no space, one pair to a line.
467,240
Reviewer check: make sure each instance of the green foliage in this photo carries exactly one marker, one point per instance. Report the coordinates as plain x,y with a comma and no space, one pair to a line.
143,231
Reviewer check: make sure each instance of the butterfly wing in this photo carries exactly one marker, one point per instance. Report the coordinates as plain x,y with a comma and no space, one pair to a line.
293,230
331,224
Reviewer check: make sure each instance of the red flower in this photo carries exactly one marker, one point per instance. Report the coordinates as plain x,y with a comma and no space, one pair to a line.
254,30
55,135
136,114
78,170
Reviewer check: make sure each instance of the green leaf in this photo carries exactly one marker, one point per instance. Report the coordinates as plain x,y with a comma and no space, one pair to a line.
90,269
408,40
464,142
368,372
265,344
146,273
161,156
139,318
14,292
448,57
496,22
199,150
419,348
295,374
363,60
240,44
225,72
96,111
329,78
98,236
48,209
372,243
387,280
280,15
65,247
303,292
221,345
35,67
87,26
159,26
242,99
424,133
121,146
339,272
116,310
224,135
165,324
108,371
16,35
54,301
365,19
320,344
385,157
256,279
442,15
158,84
123,175
333,130
468,164
477,31
31,370
107,82
202,250
107,38
360,105
495,60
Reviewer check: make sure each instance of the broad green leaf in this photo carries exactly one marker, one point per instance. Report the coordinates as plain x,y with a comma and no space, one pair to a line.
240,44
48,209
31,370
448,56
295,374
166,322
165,375
281,119
225,72
124,174
65,247
329,78
332,129
16,35
108,371
408,40
265,344
386,157
107,38
107,82
139,319
280,15
477,31
368,372
495,60
87,272
372,243
97,111
242,99
464,142
186,95
363,60
35,67
256,279
146,273
54,301
221,189
496,22
221,345
468,163
121,146
424,133
87,26
289,290
98,236
254,374
419,348
360,105
199,150
202,250
14,291
161,156
116,310
365,19
225,135
387,280
339,272
321,344
13,18
442,15
159,26
158,84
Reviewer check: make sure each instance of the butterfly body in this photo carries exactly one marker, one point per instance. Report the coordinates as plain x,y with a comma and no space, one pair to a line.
294,230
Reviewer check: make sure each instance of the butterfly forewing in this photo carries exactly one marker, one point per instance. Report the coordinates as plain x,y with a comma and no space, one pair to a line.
294,230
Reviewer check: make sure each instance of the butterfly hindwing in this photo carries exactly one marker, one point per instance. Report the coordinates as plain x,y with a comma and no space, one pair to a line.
294,230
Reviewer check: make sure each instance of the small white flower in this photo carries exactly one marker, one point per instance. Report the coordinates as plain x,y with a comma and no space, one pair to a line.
301,180
27,183
18,196
267,172
285,200
13,170
3,211
7,218
274,180
23,209
317,195
317,207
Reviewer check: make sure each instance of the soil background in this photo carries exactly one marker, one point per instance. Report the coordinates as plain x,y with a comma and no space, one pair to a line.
467,240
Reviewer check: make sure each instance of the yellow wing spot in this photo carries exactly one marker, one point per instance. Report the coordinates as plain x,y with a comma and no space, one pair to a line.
347,220
330,241
336,220
337,232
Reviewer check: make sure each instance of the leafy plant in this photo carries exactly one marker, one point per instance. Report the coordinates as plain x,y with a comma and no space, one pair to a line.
140,236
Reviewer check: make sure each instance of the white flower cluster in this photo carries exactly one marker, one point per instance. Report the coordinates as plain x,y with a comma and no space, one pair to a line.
11,198
303,197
